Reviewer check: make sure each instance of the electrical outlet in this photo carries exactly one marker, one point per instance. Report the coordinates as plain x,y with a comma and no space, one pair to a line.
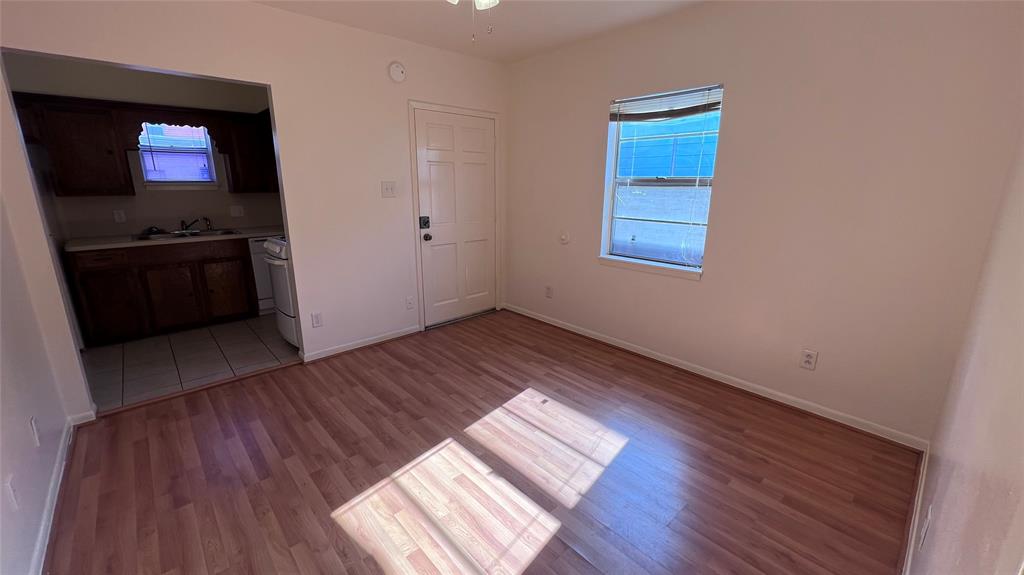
237,211
809,359
410,303
119,217
12,495
35,430
387,189
924,528
549,292
318,320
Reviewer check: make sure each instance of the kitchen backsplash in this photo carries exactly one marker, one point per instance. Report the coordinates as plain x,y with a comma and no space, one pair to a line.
86,217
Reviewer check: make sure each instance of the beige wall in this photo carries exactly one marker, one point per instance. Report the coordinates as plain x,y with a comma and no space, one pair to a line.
27,389
342,127
975,478
857,181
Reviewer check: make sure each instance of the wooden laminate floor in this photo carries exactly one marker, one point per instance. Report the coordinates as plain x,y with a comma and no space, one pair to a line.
500,441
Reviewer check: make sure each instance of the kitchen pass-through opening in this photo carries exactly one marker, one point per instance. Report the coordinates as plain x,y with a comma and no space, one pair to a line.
160,194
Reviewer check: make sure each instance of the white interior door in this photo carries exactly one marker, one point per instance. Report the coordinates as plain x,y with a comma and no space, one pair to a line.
455,169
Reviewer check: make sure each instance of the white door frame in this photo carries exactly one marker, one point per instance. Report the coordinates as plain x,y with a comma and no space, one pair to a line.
499,200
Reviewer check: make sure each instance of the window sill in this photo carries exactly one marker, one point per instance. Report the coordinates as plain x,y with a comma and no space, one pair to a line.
650,267
182,186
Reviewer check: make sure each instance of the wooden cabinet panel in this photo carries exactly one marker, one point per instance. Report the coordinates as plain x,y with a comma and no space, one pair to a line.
253,161
173,298
28,118
110,304
124,294
88,141
227,290
101,259
85,150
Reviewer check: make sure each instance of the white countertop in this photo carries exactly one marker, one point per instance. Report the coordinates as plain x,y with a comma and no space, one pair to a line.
111,242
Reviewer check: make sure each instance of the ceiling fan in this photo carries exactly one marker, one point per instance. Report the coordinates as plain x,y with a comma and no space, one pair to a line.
479,6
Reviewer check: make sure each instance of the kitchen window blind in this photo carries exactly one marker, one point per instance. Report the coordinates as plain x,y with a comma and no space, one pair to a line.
176,153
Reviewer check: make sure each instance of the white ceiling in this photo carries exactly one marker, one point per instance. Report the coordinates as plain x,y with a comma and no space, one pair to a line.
522,28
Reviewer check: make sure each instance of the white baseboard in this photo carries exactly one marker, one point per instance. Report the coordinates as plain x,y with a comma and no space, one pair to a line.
360,343
915,519
49,507
827,412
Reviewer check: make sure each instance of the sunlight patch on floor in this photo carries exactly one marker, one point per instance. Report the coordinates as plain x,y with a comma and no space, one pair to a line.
447,512
558,448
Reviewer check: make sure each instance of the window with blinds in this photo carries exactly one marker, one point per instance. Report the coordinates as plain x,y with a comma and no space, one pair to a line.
176,154
662,152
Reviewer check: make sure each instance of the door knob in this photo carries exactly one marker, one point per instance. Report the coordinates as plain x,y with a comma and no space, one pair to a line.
427,237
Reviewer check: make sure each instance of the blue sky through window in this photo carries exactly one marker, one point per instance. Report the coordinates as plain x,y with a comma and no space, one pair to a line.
679,147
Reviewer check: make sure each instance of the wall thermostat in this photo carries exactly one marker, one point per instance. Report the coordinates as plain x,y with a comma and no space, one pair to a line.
397,71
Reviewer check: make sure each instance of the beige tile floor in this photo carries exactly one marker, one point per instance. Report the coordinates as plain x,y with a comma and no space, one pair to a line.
128,373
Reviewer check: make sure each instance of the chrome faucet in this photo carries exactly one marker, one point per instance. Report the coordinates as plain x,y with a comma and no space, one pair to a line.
208,223
185,227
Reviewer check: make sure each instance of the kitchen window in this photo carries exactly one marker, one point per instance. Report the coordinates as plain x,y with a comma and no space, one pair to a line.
176,154
661,162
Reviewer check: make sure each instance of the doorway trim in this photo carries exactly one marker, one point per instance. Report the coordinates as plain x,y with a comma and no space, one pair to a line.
499,199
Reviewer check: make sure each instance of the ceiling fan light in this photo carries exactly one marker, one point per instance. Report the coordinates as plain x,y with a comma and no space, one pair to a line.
484,4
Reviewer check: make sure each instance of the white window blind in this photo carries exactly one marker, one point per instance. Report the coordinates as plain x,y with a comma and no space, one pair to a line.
664,153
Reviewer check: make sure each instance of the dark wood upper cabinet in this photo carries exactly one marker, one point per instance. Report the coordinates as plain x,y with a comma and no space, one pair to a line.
87,142
252,157
31,124
87,156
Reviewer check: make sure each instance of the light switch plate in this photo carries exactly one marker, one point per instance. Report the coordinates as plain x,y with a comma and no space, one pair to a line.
388,189
119,217
237,211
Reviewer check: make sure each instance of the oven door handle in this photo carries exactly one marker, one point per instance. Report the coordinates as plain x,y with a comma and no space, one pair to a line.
275,261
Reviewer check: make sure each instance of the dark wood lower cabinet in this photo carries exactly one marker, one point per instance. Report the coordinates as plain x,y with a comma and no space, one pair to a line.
110,304
124,294
226,290
173,298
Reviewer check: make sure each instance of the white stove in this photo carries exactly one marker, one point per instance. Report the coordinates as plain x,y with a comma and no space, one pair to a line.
286,308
